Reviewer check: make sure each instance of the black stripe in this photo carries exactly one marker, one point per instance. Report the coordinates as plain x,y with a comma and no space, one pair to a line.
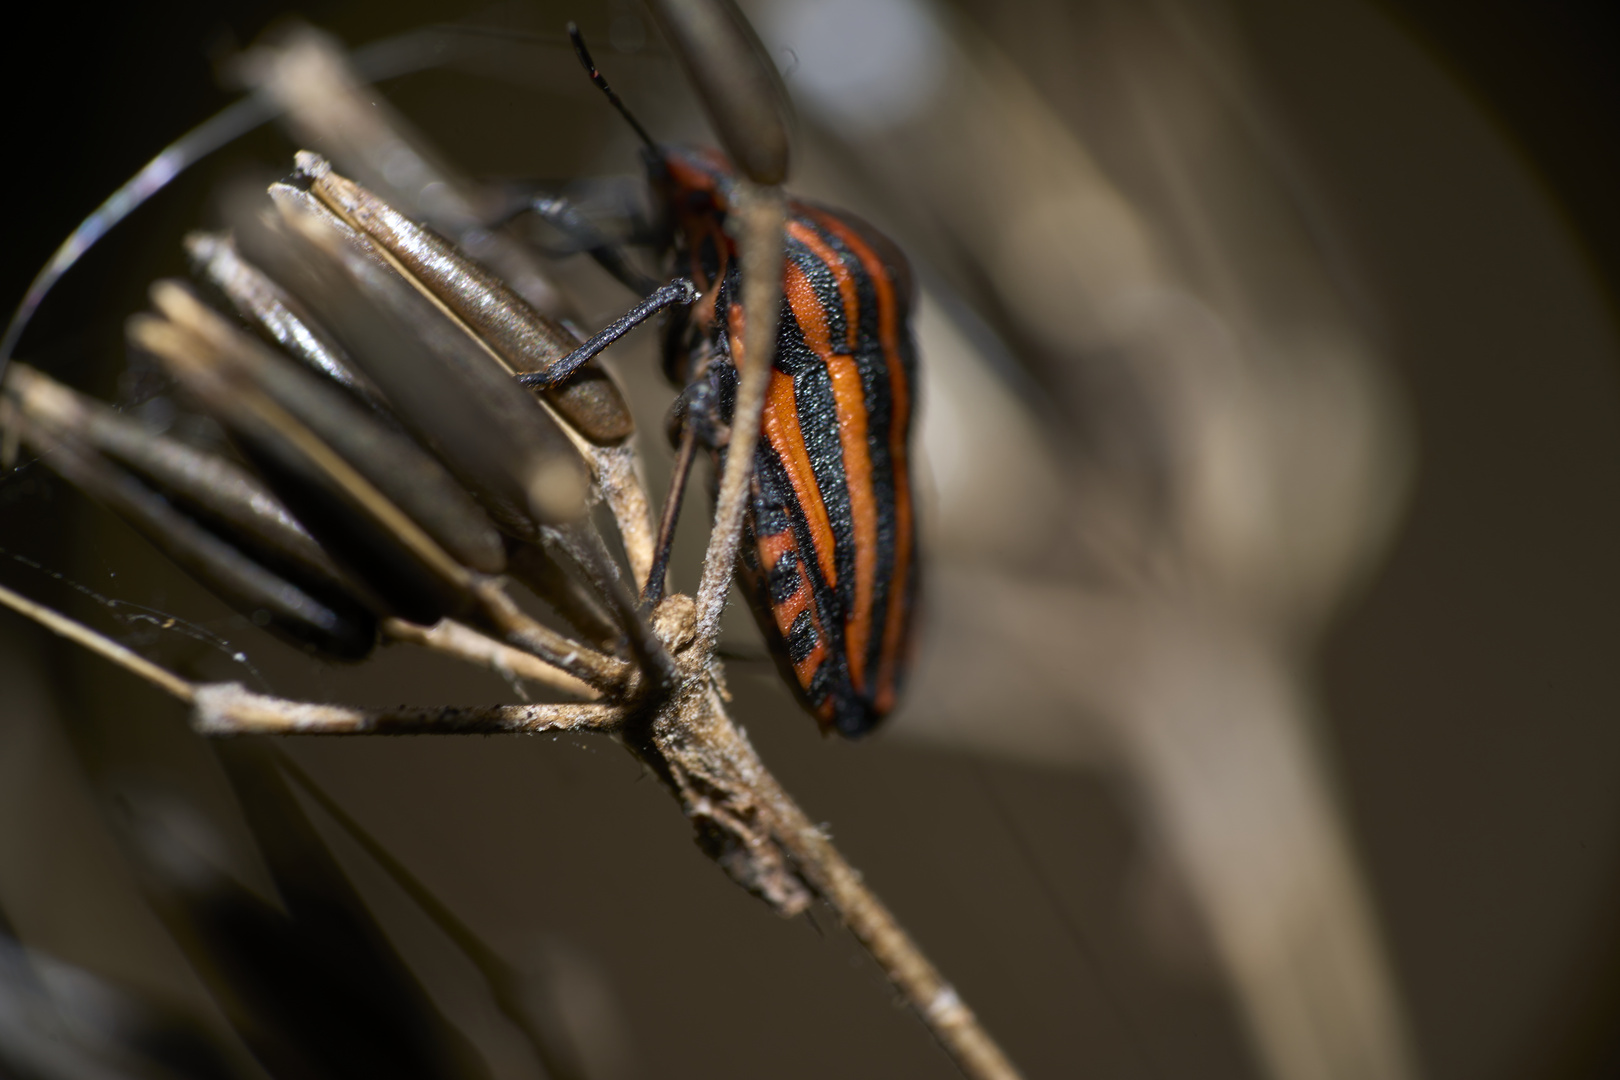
785,578
801,637
773,507
819,419
774,488
829,680
871,362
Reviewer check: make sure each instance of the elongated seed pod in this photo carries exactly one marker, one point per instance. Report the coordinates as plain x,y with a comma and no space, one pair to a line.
740,88
519,336
325,620
369,535
276,314
227,498
496,439
402,472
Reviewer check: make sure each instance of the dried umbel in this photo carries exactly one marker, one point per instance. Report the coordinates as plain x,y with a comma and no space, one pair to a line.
413,439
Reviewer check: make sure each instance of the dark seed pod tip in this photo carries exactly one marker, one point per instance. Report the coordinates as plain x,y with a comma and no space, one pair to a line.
734,76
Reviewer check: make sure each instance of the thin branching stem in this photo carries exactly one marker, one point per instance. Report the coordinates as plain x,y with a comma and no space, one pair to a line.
229,709
498,613
666,705
759,216
769,843
618,478
714,768
935,1001
771,846
652,587
464,643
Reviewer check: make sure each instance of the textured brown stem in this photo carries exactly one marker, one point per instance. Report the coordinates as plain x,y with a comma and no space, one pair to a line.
498,615
769,845
228,709
464,643
760,836
744,818
759,216
936,1002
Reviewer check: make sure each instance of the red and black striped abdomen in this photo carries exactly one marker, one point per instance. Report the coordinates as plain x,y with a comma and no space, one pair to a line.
829,558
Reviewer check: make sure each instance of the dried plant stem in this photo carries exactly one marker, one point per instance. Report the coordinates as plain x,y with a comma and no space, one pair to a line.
228,709
497,612
758,216
100,644
671,716
618,476
749,824
464,643
924,988
758,834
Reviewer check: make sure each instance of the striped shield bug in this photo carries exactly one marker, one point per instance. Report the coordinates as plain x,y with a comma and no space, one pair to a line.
829,559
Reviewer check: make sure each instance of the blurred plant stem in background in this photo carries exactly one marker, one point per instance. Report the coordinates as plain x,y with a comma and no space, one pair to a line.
1208,454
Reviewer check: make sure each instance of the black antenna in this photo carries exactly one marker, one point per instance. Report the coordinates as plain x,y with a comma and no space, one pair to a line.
601,84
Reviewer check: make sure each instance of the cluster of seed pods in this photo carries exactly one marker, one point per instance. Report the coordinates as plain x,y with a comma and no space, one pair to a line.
397,466
409,430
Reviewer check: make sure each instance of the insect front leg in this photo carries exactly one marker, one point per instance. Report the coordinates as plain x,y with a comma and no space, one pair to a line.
583,235
681,292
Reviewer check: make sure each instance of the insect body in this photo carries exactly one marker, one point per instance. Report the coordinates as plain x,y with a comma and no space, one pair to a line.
829,555
829,559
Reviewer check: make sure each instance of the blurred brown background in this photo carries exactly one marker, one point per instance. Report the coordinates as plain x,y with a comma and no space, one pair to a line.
1457,164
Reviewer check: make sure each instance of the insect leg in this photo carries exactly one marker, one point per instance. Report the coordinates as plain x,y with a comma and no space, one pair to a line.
654,589
679,291
695,417
565,217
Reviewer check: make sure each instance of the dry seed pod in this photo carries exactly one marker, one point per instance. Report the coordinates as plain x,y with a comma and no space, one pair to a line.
329,106
523,339
530,565
263,401
401,471
741,90
323,619
591,402
275,313
227,499
445,388
580,545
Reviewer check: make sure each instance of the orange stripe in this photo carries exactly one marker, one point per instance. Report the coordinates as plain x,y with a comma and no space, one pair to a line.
775,547
850,397
780,426
801,601
900,394
783,614
772,550
841,275
790,609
